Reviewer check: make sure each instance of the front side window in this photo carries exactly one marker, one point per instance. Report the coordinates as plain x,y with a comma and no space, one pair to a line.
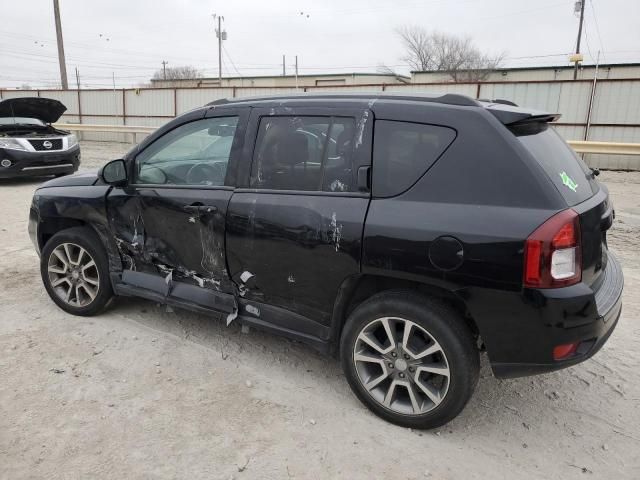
403,152
304,153
195,153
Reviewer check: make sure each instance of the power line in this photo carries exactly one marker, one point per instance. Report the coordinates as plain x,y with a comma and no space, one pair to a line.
231,61
595,20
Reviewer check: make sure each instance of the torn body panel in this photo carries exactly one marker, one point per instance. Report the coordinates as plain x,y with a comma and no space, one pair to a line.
159,232
169,257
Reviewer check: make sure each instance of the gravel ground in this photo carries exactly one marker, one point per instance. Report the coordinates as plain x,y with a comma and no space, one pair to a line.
145,392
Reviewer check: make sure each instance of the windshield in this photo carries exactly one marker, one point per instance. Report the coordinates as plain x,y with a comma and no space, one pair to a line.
571,176
20,120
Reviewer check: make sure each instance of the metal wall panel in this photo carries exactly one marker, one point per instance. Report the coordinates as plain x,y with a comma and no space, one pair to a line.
264,91
574,103
539,96
66,118
101,102
465,89
147,121
614,134
68,98
19,93
188,99
344,89
142,102
617,102
103,136
570,132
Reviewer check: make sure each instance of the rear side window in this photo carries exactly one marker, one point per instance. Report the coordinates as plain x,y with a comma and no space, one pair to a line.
403,152
304,153
567,171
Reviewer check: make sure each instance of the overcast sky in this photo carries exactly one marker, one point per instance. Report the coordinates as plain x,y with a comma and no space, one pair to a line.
130,38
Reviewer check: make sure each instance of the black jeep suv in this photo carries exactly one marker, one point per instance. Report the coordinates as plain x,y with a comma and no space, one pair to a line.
402,233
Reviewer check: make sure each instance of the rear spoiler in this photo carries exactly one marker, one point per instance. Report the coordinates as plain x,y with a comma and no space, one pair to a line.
510,115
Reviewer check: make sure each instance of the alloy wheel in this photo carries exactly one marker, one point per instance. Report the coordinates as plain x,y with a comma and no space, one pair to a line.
401,366
73,274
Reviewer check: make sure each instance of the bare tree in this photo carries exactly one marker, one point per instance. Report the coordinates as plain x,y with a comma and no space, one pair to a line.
177,73
457,56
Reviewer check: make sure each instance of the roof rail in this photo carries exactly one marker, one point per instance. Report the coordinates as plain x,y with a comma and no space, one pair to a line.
447,98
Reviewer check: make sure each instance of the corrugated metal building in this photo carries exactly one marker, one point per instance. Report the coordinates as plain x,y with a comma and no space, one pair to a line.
529,74
331,79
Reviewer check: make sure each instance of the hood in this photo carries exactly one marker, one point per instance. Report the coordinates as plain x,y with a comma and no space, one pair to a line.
46,109
83,179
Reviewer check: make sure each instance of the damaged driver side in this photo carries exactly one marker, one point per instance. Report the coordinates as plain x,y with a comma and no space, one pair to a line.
169,219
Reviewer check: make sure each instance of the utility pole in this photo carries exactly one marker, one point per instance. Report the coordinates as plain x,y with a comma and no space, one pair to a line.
296,72
61,60
575,70
164,69
77,78
284,67
222,35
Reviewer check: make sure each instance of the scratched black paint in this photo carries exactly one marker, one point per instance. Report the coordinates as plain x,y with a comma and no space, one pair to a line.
298,262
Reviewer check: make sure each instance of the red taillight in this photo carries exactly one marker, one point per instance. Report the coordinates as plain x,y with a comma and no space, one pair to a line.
561,352
552,253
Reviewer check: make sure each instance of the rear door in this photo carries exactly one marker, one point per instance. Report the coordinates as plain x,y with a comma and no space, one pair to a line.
169,221
294,229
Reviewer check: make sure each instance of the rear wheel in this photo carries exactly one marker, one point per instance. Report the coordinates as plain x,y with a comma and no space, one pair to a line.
75,271
410,359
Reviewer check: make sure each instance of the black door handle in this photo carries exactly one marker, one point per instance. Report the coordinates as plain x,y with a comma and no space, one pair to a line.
208,209
199,208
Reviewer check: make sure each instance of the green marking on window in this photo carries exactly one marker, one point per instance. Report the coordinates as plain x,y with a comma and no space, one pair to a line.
568,181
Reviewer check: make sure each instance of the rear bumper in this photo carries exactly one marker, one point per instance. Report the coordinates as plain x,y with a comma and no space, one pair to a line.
520,330
24,164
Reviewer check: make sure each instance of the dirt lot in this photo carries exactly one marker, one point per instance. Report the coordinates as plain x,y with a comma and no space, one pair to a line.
145,392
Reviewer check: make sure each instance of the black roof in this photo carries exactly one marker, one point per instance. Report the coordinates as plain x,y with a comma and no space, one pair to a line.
505,111
447,98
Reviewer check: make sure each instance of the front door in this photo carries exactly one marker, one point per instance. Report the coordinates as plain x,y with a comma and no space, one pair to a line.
169,222
294,231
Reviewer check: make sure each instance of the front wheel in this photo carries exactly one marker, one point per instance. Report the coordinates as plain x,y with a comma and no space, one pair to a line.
410,359
75,271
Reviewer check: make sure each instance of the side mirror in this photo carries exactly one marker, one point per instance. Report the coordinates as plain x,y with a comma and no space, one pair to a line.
114,173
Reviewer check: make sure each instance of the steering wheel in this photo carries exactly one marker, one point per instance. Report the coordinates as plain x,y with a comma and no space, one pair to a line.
206,174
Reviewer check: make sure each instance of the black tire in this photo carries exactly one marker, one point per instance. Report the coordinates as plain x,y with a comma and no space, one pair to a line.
87,239
445,326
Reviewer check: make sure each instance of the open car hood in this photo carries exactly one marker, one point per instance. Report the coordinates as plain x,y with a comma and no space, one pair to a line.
46,109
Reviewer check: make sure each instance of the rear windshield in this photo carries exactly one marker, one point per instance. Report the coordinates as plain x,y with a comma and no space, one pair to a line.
567,171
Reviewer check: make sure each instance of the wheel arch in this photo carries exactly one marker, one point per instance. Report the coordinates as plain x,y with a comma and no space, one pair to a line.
358,288
49,226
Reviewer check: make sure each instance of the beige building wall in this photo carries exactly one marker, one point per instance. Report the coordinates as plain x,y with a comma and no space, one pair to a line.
287,81
538,74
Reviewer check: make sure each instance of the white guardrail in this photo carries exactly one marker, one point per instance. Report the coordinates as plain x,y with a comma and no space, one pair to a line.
580,146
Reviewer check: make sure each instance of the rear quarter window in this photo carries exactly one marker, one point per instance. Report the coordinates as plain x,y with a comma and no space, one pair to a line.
403,152
563,166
